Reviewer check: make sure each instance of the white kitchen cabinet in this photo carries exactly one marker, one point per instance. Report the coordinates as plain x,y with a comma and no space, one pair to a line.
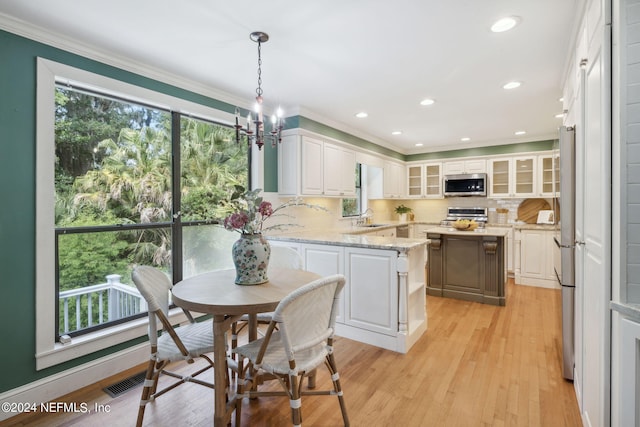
325,260
500,178
383,302
536,262
548,175
339,171
310,166
371,299
289,165
433,180
453,167
415,181
393,180
513,177
424,180
524,176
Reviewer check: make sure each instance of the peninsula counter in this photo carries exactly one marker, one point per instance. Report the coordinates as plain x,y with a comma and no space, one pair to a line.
384,299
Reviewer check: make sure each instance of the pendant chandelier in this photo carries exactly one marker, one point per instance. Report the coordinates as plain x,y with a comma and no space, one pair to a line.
254,129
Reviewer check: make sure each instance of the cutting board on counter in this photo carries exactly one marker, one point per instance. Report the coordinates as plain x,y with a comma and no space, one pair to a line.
529,208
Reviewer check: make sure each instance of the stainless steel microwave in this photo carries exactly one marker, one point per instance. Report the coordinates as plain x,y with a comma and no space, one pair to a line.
474,184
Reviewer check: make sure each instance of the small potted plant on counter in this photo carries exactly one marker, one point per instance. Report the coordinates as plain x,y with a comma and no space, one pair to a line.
402,212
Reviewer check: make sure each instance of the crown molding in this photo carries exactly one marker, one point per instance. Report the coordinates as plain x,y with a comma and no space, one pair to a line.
59,41
347,129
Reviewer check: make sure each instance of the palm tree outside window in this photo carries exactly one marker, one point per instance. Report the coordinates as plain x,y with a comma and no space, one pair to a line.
134,184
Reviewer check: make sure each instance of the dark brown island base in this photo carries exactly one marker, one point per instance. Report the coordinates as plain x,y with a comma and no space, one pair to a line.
467,265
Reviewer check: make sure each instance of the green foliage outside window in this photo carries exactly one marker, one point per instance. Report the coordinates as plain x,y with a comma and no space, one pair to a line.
113,167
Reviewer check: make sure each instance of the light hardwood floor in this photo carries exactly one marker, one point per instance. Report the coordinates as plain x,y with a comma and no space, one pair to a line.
477,365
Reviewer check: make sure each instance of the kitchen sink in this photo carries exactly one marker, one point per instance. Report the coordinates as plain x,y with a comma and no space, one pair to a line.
374,225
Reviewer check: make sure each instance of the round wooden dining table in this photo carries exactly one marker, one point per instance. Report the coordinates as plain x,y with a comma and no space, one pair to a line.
217,294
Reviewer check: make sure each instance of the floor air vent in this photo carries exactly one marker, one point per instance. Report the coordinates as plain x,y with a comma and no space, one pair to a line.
125,385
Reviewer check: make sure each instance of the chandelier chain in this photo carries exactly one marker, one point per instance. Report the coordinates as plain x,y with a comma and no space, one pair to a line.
259,89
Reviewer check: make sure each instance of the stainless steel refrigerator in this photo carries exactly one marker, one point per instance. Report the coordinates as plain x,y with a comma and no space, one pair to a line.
564,257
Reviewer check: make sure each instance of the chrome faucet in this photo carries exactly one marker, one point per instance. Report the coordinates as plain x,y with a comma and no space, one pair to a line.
365,217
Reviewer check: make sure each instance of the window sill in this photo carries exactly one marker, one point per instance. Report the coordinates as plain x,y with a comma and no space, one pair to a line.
99,340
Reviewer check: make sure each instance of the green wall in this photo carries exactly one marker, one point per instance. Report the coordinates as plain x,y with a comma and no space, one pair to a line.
484,151
17,193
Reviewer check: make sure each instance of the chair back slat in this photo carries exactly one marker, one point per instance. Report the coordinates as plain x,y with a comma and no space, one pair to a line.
306,317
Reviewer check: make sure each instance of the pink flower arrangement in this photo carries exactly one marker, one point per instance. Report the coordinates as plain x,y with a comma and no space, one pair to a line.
250,211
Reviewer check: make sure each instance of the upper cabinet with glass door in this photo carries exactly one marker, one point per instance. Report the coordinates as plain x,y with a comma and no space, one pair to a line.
424,180
415,187
548,175
524,176
512,177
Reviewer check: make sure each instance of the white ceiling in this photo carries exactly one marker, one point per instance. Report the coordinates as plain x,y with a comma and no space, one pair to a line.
328,60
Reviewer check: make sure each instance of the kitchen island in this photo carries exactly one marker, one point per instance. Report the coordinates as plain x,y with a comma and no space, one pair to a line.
468,265
384,300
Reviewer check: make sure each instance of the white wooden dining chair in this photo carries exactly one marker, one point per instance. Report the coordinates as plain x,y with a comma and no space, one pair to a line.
305,321
186,342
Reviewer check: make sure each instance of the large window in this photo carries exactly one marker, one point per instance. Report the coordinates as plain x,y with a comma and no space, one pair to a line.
117,204
135,181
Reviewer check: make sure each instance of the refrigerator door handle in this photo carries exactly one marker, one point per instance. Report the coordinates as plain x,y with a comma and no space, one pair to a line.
558,244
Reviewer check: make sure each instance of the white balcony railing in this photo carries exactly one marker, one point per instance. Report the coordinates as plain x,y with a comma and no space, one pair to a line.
115,301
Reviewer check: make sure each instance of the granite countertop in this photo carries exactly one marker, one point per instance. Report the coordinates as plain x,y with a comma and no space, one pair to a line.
360,236
345,238
392,224
487,231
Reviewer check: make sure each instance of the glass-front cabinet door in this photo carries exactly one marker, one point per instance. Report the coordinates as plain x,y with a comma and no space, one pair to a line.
433,180
524,176
547,176
424,180
414,181
500,178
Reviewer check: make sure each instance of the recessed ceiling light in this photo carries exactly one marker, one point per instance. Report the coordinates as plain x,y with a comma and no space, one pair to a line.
361,115
505,24
559,116
396,132
419,145
520,132
427,101
466,138
511,85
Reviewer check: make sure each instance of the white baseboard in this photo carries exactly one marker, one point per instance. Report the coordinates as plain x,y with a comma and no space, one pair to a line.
57,385
540,283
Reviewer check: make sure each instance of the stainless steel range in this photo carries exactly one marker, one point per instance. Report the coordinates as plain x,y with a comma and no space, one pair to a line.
477,214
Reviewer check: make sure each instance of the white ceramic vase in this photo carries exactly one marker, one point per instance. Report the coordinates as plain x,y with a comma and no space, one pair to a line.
250,255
